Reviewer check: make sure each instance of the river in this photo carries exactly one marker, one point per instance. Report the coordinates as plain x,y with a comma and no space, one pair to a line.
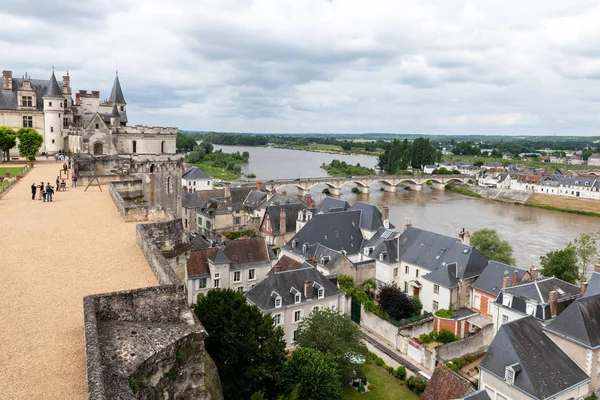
531,232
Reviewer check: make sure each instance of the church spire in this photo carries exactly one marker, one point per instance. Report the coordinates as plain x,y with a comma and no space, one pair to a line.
116,95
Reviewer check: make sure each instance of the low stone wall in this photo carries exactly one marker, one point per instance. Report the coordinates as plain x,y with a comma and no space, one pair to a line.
507,195
413,330
122,192
470,345
380,326
158,263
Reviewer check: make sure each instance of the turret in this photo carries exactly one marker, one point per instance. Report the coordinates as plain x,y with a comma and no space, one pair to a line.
116,95
54,102
115,117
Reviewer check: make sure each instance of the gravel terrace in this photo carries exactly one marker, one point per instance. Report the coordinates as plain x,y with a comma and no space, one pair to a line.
51,256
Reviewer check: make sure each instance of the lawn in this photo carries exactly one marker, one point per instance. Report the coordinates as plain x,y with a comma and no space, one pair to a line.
386,386
217,172
12,170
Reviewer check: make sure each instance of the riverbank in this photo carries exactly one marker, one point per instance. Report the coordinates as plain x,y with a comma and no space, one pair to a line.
328,149
532,164
554,203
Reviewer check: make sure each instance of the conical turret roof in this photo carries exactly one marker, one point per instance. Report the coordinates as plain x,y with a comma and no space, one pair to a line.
115,111
54,89
116,95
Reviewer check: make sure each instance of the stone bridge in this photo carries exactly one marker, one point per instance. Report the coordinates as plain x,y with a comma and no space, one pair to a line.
363,183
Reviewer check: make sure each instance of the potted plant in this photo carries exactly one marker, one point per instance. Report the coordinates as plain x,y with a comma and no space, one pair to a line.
7,175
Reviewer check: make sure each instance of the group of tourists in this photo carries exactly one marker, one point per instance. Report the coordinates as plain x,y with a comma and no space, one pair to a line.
46,192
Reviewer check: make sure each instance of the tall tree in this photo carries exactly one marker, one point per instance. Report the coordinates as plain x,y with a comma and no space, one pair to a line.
247,347
395,302
8,140
30,142
586,249
561,264
333,334
184,142
492,247
310,374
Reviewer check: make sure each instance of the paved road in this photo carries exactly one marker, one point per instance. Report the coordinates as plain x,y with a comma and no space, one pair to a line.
51,255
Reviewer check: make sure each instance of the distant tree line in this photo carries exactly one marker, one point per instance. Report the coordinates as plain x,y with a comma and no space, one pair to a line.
399,155
341,168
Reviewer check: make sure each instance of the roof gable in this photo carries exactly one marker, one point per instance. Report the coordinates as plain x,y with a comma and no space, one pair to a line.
446,384
370,219
97,119
330,203
244,251
492,277
195,173
291,213
197,264
580,322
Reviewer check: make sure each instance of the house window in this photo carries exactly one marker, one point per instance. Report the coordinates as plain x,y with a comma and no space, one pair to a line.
490,305
504,319
134,145
237,276
277,319
61,106
97,126
530,309
26,101
297,298
51,129
27,122
240,289
395,272
417,273
251,274
406,287
49,104
293,336
237,220
217,283
234,258
65,122
321,293
297,316
200,283
278,302
477,301
52,141
436,289
217,274
406,269
436,306
510,375
122,108
315,308
249,256
332,306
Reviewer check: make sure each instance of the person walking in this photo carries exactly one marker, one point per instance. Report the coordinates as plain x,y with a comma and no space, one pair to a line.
41,187
74,181
57,183
69,162
49,191
33,190
65,167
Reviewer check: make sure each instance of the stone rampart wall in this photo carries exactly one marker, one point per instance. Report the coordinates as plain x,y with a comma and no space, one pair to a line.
158,263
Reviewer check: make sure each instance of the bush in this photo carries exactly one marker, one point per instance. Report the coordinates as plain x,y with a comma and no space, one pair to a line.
452,366
418,305
427,338
379,362
445,336
458,362
361,387
592,396
355,190
416,384
395,302
401,373
443,313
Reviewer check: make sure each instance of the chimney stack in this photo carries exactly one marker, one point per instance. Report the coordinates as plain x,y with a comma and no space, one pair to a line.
259,186
226,192
307,289
309,201
282,221
533,271
7,80
66,83
284,192
506,281
386,216
597,267
515,278
467,239
408,225
584,286
553,300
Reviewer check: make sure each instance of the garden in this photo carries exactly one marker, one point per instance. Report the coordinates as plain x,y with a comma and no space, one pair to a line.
385,383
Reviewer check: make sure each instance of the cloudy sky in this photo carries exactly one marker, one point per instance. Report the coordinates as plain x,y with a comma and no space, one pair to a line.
425,66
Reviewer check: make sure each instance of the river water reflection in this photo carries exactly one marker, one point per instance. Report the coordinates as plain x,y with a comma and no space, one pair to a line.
531,231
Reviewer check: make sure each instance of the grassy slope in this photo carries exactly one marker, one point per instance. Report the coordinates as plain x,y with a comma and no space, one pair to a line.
386,386
216,172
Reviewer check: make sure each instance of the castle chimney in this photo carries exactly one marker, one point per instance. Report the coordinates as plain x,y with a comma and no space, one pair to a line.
309,201
408,225
506,281
533,271
584,286
66,83
386,216
7,80
597,267
515,278
307,289
553,300
226,192
282,221
259,186
284,192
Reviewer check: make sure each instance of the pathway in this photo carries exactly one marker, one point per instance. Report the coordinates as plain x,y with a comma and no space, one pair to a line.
51,256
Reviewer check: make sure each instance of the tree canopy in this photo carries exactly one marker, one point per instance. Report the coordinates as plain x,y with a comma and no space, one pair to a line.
586,250
398,155
185,142
395,302
8,140
247,347
323,329
310,374
561,264
30,142
492,247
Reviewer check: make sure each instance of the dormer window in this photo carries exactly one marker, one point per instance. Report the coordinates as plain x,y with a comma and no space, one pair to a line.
234,258
277,298
294,243
249,256
308,215
300,216
381,256
304,247
297,298
510,374
321,292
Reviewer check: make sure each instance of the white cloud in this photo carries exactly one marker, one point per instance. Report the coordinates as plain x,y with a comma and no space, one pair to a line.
457,66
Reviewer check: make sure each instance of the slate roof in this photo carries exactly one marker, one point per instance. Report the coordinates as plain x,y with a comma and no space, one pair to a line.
197,264
291,213
254,198
445,384
579,322
278,199
371,216
198,243
219,257
195,173
539,290
478,395
330,204
116,94
383,242
593,285
9,99
198,198
242,249
336,230
53,89
545,369
492,277
282,283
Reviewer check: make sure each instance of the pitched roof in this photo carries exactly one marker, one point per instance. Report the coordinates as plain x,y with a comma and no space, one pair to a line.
539,290
286,263
330,204
282,283
446,384
336,230
492,277
291,213
116,94
371,219
545,369
579,322
593,285
254,198
195,173
53,89
383,242
478,395
245,251
115,111
197,264
9,99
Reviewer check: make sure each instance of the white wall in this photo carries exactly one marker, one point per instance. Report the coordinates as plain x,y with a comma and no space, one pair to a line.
427,296
197,184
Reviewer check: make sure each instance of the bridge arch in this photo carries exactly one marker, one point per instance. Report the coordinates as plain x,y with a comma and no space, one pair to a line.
357,183
409,180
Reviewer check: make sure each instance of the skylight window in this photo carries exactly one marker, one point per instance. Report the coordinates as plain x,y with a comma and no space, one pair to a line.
465,251
560,291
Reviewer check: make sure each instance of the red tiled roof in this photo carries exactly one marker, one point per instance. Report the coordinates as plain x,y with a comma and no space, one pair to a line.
286,263
445,384
243,248
197,264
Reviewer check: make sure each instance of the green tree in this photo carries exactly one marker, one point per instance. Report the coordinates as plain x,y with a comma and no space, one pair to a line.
478,163
30,142
586,154
492,247
185,142
247,347
312,375
208,147
323,329
561,264
586,249
8,140
195,157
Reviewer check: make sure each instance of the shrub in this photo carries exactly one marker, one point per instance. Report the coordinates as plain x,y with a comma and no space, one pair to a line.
445,336
379,362
468,359
390,370
452,366
395,302
346,282
361,387
443,313
458,362
592,396
401,373
426,338
355,190
418,305
416,384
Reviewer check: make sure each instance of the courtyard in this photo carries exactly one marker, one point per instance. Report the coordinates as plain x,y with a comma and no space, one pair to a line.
51,256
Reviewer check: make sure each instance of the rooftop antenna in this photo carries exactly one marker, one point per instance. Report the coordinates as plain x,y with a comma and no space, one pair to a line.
117,66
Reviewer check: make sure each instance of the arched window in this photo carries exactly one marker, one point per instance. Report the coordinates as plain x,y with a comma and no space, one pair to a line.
134,143
152,168
162,146
98,149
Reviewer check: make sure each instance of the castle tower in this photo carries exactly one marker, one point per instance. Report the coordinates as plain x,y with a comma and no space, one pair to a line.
115,117
116,97
54,108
